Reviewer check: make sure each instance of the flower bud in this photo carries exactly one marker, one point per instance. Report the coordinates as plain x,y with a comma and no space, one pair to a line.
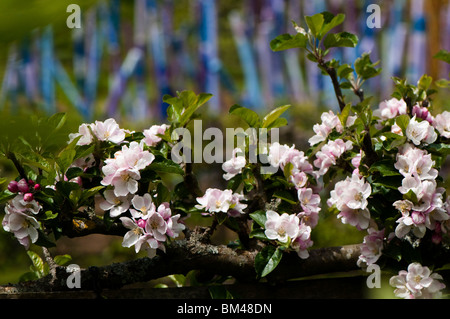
13,187
37,187
28,197
23,186
141,223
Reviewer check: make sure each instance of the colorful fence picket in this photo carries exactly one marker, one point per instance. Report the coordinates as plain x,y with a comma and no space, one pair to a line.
164,55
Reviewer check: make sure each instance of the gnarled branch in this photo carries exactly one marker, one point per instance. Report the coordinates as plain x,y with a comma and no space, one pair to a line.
193,253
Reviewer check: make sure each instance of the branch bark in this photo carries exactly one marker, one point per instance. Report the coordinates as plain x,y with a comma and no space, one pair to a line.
193,253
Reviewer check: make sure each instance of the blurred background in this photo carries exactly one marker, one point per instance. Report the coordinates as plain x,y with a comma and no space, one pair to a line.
127,54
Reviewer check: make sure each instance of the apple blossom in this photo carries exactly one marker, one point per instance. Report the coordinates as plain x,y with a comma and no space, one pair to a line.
108,130
225,201
418,132
390,108
283,227
372,247
422,113
418,282
350,193
414,161
330,121
116,205
122,171
234,166
308,200
18,221
442,124
143,206
303,241
329,153
151,135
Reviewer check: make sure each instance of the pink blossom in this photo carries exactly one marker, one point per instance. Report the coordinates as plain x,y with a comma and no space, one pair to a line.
303,241
372,247
215,200
234,166
151,135
19,221
418,132
308,200
299,179
330,121
116,205
122,171
108,130
359,218
391,108
143,206
442,123
281,227
350,193
422,113
414,161
278,154
329,153
418,282
225,201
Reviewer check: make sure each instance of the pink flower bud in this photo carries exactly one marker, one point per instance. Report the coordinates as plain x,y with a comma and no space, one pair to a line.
141,223
23,186
13,187
37,187
28,197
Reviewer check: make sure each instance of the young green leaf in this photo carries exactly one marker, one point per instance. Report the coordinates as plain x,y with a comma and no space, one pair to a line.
287,41
274,115
331,21
342,39
249,116
315,24
259,217
443,55
267,260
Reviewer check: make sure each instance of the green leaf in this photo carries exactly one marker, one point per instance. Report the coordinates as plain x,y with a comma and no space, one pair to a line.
182,107
38,263
259,217
267,260
249,116
344,70
49,215
342,39
57,121
365,68
6,196
62,259
443,55
315,24
403,122
384,167
287,41
439,148
166,166
331,21
201,99
286,196
258,233
343,116
279,122
274,115
424,82
219,292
